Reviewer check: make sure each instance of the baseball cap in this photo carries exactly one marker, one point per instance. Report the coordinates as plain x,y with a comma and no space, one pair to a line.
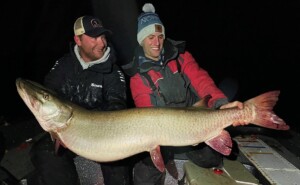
90,26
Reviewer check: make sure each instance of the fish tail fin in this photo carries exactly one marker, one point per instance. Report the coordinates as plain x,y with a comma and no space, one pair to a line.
264,115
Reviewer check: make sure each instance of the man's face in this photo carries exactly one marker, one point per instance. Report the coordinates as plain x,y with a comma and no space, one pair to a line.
91,48
153,45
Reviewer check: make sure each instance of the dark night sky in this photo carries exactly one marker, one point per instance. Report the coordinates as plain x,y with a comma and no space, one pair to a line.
255,42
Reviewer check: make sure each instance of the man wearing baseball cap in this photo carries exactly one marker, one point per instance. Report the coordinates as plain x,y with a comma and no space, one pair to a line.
89,77
90,26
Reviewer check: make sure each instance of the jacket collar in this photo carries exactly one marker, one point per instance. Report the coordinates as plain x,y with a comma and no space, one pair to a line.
103,67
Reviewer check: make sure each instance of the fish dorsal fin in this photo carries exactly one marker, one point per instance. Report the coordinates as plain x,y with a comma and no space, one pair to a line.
203,103
221,143
157,159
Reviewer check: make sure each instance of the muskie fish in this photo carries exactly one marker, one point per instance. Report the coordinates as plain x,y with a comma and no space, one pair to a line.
105,136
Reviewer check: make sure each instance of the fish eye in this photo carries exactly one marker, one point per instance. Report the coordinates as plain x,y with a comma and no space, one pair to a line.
46,96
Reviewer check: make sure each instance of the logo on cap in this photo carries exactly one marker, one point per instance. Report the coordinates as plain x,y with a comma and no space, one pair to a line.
158,28
95,23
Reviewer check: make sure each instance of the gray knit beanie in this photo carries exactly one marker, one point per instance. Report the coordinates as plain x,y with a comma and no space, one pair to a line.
148,23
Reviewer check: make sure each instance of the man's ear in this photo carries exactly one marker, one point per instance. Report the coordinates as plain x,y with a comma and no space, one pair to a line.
77,40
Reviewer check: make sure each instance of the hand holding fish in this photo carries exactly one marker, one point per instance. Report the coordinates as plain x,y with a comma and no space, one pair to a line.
239,105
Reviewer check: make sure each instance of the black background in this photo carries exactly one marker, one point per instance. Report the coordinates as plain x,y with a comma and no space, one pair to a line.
255,42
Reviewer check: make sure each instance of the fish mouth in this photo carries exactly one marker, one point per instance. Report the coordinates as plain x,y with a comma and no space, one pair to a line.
19,84
21,89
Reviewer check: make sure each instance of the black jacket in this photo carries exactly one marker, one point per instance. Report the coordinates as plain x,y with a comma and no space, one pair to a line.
101,86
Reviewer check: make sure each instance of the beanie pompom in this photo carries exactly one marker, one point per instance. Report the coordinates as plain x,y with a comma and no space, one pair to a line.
148,7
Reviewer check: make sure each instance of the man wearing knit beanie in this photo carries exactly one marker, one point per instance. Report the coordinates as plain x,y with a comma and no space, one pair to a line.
148,23
164,74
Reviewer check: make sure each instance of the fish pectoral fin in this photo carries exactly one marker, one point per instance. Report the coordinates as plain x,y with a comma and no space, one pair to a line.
57,145
157,159
221,143
57,142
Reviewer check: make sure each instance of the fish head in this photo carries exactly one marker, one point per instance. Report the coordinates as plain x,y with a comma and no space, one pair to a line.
52,113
